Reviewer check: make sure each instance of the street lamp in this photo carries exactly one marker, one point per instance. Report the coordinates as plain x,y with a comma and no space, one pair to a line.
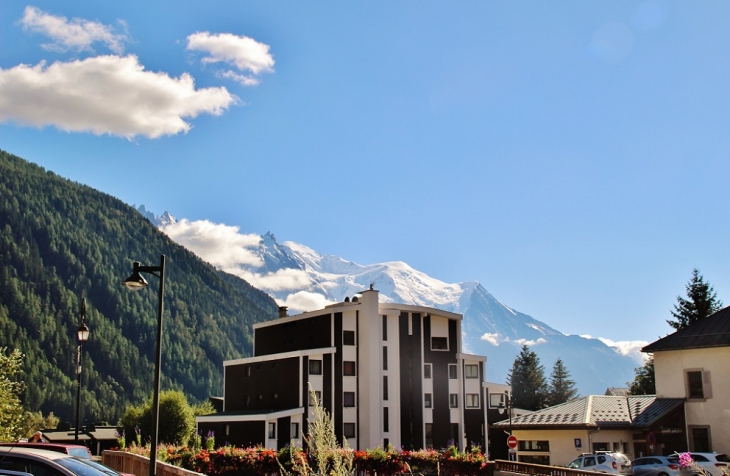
506,404
83,336
135,282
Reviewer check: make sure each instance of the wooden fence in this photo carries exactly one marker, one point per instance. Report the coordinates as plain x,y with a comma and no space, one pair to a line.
123,462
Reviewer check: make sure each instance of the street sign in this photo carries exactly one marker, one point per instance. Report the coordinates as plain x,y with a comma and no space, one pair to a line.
512,441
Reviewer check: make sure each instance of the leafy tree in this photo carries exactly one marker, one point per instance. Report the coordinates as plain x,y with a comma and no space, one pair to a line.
11,410
701,302
35,421
527,379
644,383
561,387
177,419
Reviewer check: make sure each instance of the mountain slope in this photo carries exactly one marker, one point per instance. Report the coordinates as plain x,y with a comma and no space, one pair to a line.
303,279
60,241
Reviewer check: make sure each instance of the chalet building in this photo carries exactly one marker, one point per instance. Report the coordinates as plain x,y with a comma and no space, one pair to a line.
694,364
388,373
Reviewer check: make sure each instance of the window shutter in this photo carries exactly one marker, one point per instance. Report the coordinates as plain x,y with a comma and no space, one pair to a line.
706,384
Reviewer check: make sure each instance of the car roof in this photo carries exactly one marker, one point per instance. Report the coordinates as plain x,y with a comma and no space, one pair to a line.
7,450
29,444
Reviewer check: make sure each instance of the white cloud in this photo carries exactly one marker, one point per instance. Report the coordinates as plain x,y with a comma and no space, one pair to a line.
76,34
529,342
491,338
221,245
280,280
631,348
246,54
105,95
305,301
229,250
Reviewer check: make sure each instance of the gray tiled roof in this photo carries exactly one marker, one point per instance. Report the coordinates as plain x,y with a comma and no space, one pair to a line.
713,331
599,410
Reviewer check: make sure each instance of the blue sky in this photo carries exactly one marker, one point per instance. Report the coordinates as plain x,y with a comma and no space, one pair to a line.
570,156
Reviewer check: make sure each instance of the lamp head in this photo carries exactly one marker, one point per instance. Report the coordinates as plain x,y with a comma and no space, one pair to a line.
83,333
135,281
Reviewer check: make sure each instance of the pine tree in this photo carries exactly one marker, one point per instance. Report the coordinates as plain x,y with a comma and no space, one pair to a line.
527,379
561,388
644,383
702,301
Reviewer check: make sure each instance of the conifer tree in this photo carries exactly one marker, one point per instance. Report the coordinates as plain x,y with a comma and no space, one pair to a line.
527,379
561,388
701,302
644,383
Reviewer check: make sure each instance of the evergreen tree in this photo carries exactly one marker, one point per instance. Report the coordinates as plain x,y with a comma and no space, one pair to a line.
701,302
644,383
561,388
527,379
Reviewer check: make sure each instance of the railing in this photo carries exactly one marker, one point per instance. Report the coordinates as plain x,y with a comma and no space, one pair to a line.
124,462
538,469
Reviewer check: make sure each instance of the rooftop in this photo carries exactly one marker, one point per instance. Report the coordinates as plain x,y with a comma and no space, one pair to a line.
713,331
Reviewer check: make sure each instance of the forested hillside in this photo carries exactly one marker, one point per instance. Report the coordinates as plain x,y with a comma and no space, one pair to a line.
61,241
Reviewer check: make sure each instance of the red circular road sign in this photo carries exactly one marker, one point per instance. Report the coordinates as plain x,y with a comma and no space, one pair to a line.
512,441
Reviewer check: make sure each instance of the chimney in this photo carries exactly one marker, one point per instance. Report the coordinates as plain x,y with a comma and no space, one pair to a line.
282,311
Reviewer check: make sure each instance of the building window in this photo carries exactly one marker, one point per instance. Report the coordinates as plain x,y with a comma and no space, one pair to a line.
348,337
385,358
295,430
471,371
426,370
535,459
315,367
348,368
700,440
317,395
272,430
385,387
385,328
453,371
698,384
439,343
348,430
348,399
429,435
472,400
385,419
453,400
427,400
497,400
534,445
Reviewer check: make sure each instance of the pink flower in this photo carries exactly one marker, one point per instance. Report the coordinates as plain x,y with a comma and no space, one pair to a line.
685,460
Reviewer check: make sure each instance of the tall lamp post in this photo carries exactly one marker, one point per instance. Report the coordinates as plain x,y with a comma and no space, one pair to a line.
83,336
135,282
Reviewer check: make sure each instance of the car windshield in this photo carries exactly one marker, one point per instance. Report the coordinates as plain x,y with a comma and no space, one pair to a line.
78,467
100,467
574,464
82,453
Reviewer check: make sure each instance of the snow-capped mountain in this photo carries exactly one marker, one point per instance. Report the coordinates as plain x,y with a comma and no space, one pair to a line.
303,279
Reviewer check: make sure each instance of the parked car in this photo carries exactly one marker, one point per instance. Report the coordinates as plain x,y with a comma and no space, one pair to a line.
39,462
602,462
80,451
659,466
712,462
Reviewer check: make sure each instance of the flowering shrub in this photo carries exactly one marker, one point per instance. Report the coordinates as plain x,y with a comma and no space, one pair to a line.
258,461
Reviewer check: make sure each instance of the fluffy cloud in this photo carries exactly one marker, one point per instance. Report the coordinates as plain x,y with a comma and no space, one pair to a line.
76,34
528,342
229,250
492,338
220,245
246,54
105,95
305,300
631,348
